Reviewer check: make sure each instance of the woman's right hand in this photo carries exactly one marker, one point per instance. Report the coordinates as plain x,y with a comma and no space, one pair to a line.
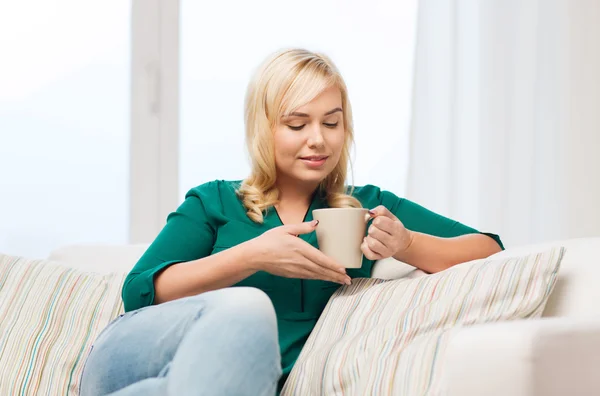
280,252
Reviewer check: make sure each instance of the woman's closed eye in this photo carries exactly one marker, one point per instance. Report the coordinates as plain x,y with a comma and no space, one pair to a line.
299,127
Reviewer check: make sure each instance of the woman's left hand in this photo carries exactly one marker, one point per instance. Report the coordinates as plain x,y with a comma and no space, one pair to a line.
387,235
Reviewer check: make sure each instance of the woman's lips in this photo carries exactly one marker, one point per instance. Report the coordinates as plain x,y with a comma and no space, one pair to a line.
314,161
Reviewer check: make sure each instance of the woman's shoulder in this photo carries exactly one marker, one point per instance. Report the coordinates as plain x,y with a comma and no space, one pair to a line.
368,189
367,194
370,196
215,190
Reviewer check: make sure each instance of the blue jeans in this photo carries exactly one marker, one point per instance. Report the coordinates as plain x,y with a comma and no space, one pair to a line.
222,342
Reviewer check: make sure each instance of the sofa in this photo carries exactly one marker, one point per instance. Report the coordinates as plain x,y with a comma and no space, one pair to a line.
557,354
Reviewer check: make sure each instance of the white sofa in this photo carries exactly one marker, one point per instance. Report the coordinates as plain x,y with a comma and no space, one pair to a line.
558,354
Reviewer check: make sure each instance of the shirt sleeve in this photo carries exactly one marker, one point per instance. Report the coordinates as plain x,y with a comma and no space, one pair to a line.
188,235
419,219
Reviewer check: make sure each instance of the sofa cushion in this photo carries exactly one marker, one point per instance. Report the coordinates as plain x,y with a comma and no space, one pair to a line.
577,293
389,337
49,316
390,268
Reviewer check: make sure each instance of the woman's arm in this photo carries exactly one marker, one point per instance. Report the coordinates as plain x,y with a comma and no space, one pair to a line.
180,262
278,251
434,243
433,254
214,272
187,237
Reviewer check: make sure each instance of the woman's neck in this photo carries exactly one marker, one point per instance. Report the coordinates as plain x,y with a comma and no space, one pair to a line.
294,192
294,201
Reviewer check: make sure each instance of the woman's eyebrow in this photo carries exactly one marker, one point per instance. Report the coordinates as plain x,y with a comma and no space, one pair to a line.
334,111
298,114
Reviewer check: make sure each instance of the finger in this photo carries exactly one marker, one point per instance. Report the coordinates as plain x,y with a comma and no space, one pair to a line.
384,224
302,273
384,237
306,269
316,256
327,274
376,246
382,211
301,228
371,255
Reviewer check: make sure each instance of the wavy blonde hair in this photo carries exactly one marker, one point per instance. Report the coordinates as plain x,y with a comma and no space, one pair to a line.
287,80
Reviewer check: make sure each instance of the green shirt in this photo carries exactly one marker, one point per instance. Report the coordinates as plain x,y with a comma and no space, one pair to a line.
212,218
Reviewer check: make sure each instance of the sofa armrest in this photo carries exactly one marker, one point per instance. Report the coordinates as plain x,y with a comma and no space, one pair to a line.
99,258
555,356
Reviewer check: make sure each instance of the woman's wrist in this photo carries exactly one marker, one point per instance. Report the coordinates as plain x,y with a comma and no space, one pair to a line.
407,250
251,255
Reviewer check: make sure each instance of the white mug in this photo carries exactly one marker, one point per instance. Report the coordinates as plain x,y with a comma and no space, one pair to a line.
340,233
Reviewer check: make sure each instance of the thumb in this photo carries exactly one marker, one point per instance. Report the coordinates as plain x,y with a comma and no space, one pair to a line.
301,228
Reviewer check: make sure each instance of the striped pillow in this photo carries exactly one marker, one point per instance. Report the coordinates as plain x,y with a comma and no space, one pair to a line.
49,317
379,337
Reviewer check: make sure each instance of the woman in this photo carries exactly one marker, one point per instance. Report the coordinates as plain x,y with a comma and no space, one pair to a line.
186,331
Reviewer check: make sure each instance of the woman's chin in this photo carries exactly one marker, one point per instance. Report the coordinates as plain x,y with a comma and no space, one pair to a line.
311,177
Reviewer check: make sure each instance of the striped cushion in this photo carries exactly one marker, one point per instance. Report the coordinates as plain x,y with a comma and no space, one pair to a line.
49,317
379,337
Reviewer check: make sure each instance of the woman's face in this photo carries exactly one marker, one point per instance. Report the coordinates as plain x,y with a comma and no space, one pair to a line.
309,141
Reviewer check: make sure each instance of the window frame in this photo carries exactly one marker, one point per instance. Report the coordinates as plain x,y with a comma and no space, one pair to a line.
154,144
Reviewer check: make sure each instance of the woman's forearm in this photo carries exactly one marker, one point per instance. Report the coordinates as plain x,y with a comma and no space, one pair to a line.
433,254
214,272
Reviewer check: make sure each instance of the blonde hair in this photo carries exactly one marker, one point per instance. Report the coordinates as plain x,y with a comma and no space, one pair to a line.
287,80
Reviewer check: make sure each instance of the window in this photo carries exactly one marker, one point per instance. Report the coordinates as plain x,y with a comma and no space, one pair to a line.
223,42
64,124
65,111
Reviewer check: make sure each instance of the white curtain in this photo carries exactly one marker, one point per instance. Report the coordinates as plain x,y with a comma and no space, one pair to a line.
505,131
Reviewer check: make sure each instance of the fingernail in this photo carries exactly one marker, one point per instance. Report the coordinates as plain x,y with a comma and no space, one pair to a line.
371,212
348,281
342,270
315,223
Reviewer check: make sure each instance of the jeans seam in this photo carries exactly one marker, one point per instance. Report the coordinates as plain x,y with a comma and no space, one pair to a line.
84,366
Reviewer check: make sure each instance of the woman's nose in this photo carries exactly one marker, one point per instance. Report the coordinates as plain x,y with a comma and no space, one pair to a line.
315,139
